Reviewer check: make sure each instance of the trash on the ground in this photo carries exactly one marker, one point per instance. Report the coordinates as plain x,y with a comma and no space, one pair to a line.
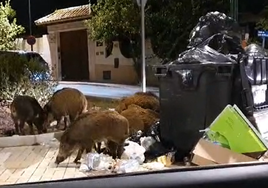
154,131
154,166
261,117
167,160
154,149
208,153
95,161
134,151
83,168
125,166
136,137
231,138
147,142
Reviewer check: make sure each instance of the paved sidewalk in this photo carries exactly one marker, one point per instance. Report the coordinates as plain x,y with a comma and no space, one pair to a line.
34,163
102,90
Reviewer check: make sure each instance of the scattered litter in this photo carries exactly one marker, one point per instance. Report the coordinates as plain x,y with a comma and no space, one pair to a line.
134,151
167,160
95,161
125,166
147,142
154,166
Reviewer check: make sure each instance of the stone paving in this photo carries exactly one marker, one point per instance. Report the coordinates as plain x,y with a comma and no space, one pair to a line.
34,163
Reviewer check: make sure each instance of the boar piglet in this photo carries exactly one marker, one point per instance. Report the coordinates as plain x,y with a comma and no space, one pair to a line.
27,109
90,128
65,102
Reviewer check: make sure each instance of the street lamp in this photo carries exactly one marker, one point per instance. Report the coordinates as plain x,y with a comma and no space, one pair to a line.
141,4
30,20
234,9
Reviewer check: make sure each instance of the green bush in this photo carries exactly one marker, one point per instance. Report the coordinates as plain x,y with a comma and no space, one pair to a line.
16,78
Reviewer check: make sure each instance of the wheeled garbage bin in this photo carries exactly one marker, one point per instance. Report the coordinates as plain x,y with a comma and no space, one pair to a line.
192,95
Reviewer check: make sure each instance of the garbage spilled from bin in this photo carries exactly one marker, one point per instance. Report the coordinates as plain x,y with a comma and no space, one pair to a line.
132,159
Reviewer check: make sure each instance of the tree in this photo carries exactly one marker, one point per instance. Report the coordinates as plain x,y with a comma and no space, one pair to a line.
172,21
9,29
168,24
262,24
117,20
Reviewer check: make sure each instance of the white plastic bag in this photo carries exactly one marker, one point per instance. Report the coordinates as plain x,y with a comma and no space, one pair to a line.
125,166
95,161
134,151
146,142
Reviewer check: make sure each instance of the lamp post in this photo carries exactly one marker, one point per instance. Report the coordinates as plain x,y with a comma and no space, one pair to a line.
234,9
30,20
141,4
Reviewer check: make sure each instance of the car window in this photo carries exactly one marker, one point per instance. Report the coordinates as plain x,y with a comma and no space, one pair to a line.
36,56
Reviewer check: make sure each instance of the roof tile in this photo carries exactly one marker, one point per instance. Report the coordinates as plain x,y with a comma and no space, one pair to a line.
65,14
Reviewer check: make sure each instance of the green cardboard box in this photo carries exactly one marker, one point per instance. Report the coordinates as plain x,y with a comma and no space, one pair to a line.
233,130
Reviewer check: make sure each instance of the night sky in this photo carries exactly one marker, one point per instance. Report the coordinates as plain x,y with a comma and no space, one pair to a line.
40,8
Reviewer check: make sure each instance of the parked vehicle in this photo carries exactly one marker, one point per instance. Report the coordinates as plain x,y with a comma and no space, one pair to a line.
36,57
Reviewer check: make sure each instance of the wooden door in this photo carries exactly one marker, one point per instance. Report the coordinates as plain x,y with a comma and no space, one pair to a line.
74,55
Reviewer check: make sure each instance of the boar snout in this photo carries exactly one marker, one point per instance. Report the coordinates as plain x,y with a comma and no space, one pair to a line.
59,159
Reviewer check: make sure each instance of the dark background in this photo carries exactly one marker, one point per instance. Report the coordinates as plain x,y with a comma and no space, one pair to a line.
40,8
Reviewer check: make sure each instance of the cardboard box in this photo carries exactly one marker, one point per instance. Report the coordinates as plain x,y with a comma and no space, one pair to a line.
207,153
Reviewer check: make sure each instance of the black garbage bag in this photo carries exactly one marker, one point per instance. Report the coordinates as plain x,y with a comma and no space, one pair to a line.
225,51
213,23
151,142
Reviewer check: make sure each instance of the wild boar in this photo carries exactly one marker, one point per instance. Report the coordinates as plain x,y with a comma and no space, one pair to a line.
146,100
65,102
140,118
93,127
27,109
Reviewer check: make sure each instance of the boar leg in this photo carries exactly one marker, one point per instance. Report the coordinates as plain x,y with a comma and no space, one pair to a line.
21,127
65,122
120,150
30,124
97,147
58,122
112,147
79,155
17,128
87,147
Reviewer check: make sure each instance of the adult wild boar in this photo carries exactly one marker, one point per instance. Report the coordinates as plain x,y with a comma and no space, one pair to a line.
27,109
65,102
146,100
93,127
139,118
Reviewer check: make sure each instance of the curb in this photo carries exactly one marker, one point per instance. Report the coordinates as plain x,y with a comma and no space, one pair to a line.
29,140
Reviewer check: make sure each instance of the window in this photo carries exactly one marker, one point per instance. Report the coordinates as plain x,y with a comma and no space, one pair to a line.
116,63
106,75
98,43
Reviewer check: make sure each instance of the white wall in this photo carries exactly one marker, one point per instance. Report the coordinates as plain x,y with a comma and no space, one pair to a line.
41,46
